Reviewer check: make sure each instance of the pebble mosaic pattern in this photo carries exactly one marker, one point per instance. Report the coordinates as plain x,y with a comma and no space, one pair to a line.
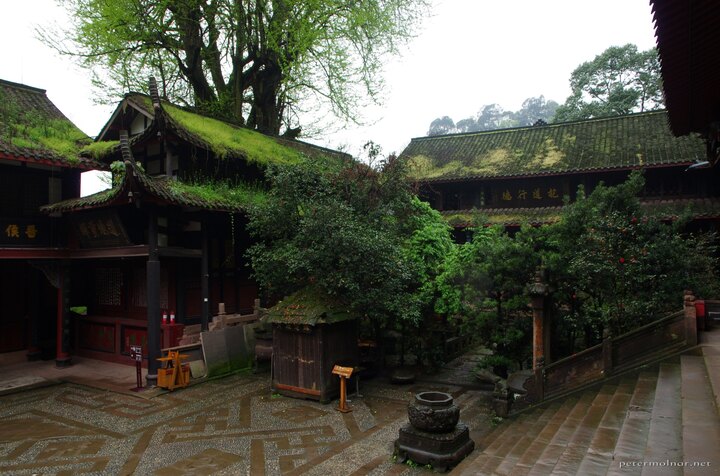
228,426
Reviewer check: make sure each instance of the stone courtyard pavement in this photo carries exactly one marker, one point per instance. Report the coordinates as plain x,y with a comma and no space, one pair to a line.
229,426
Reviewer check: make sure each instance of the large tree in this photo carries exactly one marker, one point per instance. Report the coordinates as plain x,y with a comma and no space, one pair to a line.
258,62
620,80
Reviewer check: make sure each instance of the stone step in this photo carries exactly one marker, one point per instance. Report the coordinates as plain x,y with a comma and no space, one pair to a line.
577,445
489,458
599,454
632,439
497,455
557,445
700,422
491,442
560,411
664,441
711,355
531,431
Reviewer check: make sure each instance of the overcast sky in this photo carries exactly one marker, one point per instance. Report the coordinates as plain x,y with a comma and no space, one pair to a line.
468,53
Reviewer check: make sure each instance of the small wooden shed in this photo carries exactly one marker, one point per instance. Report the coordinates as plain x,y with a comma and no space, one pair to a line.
312,332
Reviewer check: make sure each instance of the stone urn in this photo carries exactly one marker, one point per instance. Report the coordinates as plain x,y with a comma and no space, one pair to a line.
434,435
433,412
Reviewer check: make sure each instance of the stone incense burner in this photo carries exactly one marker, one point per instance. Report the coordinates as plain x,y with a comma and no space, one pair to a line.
434,435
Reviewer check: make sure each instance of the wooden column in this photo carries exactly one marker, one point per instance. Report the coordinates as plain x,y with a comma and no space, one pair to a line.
205,278
180,290
538,293
34,351
153,300
62,356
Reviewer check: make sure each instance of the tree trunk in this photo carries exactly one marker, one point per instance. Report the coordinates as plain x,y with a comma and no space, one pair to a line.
265,112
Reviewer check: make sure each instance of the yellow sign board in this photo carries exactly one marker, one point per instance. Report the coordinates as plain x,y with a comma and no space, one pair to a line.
342,371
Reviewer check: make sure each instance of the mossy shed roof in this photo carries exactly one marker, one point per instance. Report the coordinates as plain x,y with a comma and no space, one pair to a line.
622,142
32,129
223,139
309,306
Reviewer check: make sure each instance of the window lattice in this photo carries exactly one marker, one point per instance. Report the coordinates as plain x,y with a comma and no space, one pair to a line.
108,286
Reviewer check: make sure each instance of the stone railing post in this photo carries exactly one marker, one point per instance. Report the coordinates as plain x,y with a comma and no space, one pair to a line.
539,379
691,337
607,353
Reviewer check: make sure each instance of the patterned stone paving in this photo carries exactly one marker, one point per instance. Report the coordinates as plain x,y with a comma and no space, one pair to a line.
227,426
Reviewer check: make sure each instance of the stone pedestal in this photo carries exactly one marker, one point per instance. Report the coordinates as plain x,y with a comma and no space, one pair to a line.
434,435
441,450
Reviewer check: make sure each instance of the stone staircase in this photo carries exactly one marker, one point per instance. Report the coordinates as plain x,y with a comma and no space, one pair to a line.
660,416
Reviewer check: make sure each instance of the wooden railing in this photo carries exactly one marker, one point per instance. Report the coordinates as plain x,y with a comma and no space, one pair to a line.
614,355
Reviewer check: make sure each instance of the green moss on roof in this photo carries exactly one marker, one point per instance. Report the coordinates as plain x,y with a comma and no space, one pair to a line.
636,140
502,216
98,150
309,306
56,135
227,140
239,195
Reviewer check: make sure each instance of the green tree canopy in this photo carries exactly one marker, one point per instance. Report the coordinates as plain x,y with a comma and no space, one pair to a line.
357,233
616,267
492,116
258,62
620,80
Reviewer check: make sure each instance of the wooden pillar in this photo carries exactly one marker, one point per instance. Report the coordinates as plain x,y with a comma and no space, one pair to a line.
205,278
180,289
62,355
153,300
538,293
34,351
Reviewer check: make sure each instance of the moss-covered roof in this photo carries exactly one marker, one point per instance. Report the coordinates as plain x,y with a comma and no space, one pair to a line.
223,139
623,142
665,209
309,306
206,196
32,129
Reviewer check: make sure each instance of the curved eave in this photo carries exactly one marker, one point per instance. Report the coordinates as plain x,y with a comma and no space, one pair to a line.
31,156
550,173
665,209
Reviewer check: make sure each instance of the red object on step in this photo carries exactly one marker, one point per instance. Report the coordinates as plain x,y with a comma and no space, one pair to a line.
700,314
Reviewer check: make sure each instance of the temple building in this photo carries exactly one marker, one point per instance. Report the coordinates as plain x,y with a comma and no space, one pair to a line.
39,164
522,175
168,239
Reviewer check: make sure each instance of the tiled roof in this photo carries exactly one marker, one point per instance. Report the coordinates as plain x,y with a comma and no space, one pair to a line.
309,306
623,142
665,209
163,189
222,138
32,129
688,40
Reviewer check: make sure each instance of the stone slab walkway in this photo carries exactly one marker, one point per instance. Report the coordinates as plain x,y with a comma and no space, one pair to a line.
228,426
